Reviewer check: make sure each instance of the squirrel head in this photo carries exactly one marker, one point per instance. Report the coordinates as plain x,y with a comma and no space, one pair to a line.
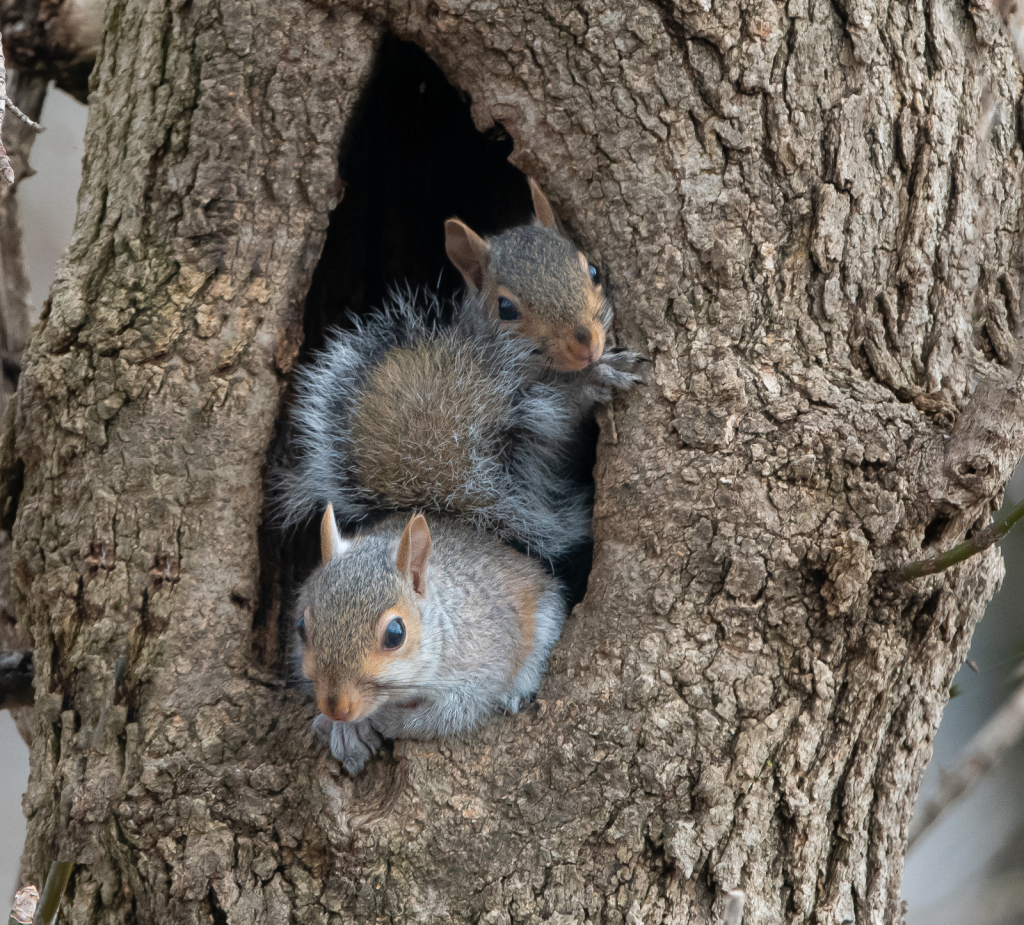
535,281
360,622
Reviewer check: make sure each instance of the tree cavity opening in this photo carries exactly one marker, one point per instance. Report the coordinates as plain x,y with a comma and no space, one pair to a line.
410,158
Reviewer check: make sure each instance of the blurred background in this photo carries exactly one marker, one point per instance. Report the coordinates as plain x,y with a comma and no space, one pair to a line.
47,206
967,869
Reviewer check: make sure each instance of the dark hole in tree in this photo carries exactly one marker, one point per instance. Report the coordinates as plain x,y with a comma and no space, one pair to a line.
926,615
935,529
410,159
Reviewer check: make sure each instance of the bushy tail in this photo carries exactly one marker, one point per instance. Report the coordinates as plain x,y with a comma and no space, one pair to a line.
404,413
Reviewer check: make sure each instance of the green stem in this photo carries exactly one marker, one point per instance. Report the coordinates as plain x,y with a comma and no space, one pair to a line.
981,540
53,892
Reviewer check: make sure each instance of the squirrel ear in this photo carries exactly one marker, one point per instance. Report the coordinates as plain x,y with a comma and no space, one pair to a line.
541,207
468,251
331,544
413,551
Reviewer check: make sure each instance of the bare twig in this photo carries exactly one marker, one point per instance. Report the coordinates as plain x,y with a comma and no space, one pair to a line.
32,909
6,170
981,541
53,892
29,122
979,756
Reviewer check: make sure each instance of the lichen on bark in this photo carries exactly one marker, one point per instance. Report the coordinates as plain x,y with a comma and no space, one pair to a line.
804,228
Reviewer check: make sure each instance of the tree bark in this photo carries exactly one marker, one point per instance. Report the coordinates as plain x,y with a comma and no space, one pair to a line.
810,218
16,313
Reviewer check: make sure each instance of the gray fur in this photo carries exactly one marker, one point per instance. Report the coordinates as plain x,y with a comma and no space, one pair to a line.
470,632
497,461
582,391
345,597
541,266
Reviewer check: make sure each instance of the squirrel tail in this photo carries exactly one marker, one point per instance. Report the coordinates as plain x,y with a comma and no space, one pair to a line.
403,413
316,466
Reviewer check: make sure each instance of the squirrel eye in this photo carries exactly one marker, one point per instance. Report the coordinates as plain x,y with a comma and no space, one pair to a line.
394,635
506,310
595,276
300,626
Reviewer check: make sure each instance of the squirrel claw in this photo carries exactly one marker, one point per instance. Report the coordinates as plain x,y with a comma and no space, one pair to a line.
614,371
622,360
322,726
517,704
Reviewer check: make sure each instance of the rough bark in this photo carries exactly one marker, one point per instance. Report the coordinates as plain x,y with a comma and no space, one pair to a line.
808,217
16,313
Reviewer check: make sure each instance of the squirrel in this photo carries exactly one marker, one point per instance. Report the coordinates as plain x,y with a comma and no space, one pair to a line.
476,418
420,629
533,280
404,413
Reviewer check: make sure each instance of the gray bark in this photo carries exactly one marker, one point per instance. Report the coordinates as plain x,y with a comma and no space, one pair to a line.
811,223
16,312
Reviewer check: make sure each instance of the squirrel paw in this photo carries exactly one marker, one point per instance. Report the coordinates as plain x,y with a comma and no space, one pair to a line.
616,369
514,704
353,744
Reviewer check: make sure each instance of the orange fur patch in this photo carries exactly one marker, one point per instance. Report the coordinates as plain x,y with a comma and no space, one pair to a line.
525,594
377,660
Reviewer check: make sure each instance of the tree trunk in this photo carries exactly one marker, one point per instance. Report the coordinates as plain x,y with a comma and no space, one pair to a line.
809,217
16,311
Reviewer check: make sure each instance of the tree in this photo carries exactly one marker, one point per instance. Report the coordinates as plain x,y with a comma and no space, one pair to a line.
809,216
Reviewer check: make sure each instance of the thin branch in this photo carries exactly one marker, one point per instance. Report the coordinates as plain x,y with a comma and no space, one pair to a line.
980,755
981,541
32,125
53,892
6,170
15,679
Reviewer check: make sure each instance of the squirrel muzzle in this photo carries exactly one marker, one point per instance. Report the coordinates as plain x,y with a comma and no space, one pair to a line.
583,347
346,705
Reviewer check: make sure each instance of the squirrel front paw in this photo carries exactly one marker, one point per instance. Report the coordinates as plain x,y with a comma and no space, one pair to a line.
353,744
517,702
616,369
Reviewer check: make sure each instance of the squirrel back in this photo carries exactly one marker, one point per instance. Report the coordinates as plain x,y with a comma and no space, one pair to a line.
421,628
534,281
403,413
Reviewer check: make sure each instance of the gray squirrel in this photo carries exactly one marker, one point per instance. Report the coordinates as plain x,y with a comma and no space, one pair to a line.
421,628
473,418
425,622
533,280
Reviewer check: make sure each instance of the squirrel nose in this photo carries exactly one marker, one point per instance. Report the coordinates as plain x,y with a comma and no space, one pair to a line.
587,345
342,707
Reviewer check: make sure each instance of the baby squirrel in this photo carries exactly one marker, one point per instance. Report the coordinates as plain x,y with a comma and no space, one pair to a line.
533,280
473,419
404,413
420,629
